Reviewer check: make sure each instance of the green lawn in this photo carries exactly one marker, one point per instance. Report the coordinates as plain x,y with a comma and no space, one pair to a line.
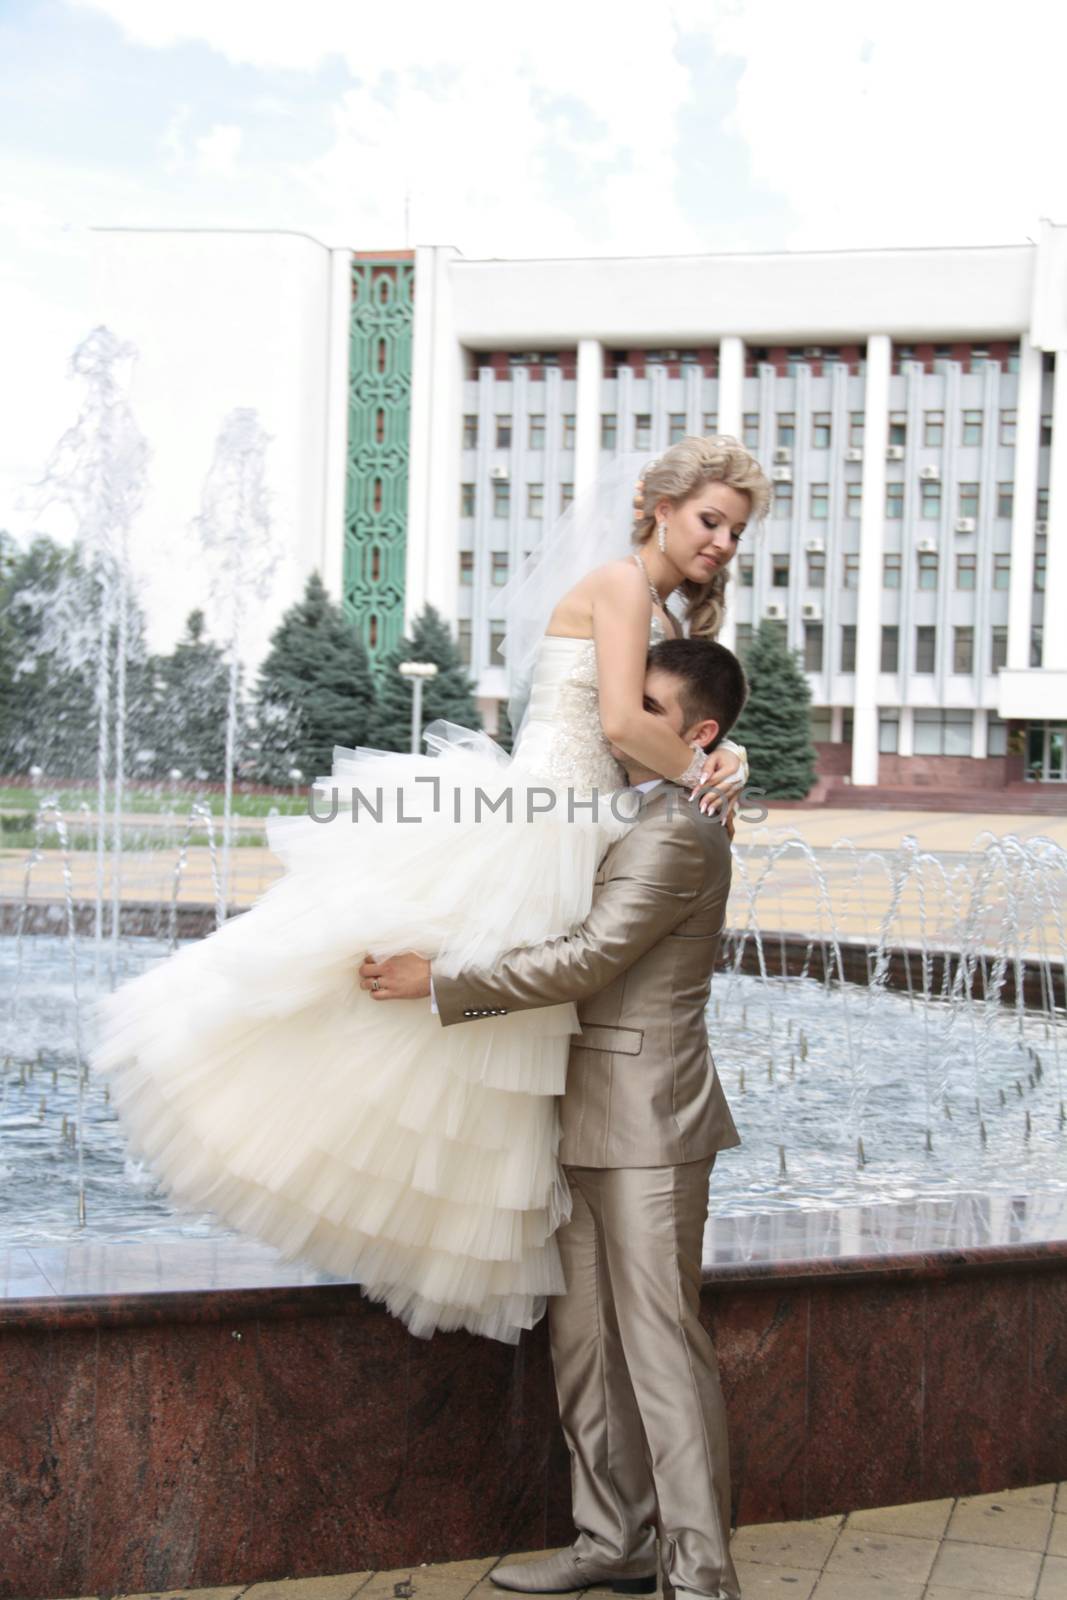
146,800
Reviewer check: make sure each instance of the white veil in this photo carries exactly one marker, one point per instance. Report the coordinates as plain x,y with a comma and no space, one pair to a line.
596,527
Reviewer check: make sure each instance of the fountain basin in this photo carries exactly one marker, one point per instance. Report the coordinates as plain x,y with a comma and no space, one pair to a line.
194,1435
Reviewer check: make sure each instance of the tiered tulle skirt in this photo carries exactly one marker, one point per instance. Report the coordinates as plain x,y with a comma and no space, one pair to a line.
261,1083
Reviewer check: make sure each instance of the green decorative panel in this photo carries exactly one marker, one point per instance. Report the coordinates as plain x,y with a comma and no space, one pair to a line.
376,491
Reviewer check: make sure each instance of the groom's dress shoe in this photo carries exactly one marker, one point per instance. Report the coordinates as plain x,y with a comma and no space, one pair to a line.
566,1571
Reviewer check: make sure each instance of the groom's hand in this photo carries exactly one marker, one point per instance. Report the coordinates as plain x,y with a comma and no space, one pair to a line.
405,977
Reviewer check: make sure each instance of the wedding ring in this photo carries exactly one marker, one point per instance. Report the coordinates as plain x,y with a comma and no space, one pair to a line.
376,984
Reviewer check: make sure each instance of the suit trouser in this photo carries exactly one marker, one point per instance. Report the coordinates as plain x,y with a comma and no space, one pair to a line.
637,1377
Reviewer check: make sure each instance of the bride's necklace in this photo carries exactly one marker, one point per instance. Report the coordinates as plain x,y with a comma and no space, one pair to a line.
653,591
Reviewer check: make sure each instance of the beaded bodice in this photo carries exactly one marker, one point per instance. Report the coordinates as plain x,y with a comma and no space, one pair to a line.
562,740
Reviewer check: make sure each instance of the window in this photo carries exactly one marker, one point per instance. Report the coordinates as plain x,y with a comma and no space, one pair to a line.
746,568
819,504
888,732
1041,508
503,431
821,719
848,647
1002,570
847,721
942,733
933,429
813,647
496,639
891,565
971,432
1037,645
568,421
750,430
966,567
898,427
816,569
820,430
930,501
999,651
463,641
1040,569
927,569
1005,499
968,500
743,637
1045,436
779,572
853,500
963,649
609,430
996,736
783,500
851,579
537,430
1007,427
890,658
856,421
466,568
501,498
466,499
642,431
711,422
535,499
894,501
470,431
676,427
925,648
786,428
499,569
566,495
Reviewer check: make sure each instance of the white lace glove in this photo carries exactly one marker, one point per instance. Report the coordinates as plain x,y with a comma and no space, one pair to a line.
726,787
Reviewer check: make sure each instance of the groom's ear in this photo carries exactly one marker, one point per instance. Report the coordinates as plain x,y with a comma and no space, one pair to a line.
702,733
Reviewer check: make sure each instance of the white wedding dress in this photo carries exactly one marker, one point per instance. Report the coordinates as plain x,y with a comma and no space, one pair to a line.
261,1083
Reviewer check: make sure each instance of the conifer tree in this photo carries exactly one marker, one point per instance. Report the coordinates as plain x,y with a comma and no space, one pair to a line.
775,726
450,694
192,693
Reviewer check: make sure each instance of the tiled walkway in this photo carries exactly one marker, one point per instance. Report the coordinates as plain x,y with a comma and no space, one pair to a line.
988,1547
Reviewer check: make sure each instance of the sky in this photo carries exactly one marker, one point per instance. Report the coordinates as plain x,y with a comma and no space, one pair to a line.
570,127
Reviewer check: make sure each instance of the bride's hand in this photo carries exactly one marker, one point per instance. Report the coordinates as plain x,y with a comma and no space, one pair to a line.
405,977
723,778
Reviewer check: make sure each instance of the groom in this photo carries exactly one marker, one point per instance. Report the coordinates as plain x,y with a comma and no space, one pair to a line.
642,1118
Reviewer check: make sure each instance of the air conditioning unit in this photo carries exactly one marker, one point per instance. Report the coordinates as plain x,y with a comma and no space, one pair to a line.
964,525
501,474
854,454
927,547
930,474
783,455
814,546
1040,527
811,612
774,611
782,474
894,452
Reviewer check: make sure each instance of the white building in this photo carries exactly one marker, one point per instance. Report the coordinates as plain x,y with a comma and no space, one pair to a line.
904,401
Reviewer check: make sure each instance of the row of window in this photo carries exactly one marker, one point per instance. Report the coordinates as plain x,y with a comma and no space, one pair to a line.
972,428
934,732
501,492
924,657
927,570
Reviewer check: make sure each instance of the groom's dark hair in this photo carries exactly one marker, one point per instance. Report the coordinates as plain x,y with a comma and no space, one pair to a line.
712,680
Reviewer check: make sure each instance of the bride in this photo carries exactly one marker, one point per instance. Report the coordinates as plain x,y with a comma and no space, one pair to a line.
261,1083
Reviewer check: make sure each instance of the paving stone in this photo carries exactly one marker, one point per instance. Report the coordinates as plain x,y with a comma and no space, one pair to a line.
921,1519
341,1586
445,1580
1057,1544
787,1544
883,1555
1021,1519
986,1569
850,1586
762,1582
1053,1584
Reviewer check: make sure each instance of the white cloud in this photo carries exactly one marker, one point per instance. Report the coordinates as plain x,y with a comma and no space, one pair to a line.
217,151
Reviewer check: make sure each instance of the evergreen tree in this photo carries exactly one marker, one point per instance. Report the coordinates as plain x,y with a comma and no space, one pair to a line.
315,689
192,695
775,726
505,734
450,694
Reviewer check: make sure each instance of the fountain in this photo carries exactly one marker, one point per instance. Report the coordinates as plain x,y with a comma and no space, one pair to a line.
889,1028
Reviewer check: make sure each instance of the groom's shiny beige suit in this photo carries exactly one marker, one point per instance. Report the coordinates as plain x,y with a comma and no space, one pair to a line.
641,1120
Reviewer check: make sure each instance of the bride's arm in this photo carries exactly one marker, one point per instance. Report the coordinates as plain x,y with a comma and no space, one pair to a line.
622,611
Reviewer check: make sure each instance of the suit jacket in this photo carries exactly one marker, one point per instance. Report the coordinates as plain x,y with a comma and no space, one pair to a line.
642,1089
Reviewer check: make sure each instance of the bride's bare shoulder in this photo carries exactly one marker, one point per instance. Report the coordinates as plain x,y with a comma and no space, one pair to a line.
618,580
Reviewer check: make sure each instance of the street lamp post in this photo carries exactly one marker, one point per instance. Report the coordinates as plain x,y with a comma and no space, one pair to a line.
418,672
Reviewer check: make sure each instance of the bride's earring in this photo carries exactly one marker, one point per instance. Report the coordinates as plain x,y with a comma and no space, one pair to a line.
662,537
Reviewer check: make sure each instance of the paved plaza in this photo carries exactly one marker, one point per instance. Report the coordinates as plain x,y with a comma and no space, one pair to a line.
986,1547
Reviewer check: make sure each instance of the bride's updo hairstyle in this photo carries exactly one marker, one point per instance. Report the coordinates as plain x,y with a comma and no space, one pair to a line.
682,471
